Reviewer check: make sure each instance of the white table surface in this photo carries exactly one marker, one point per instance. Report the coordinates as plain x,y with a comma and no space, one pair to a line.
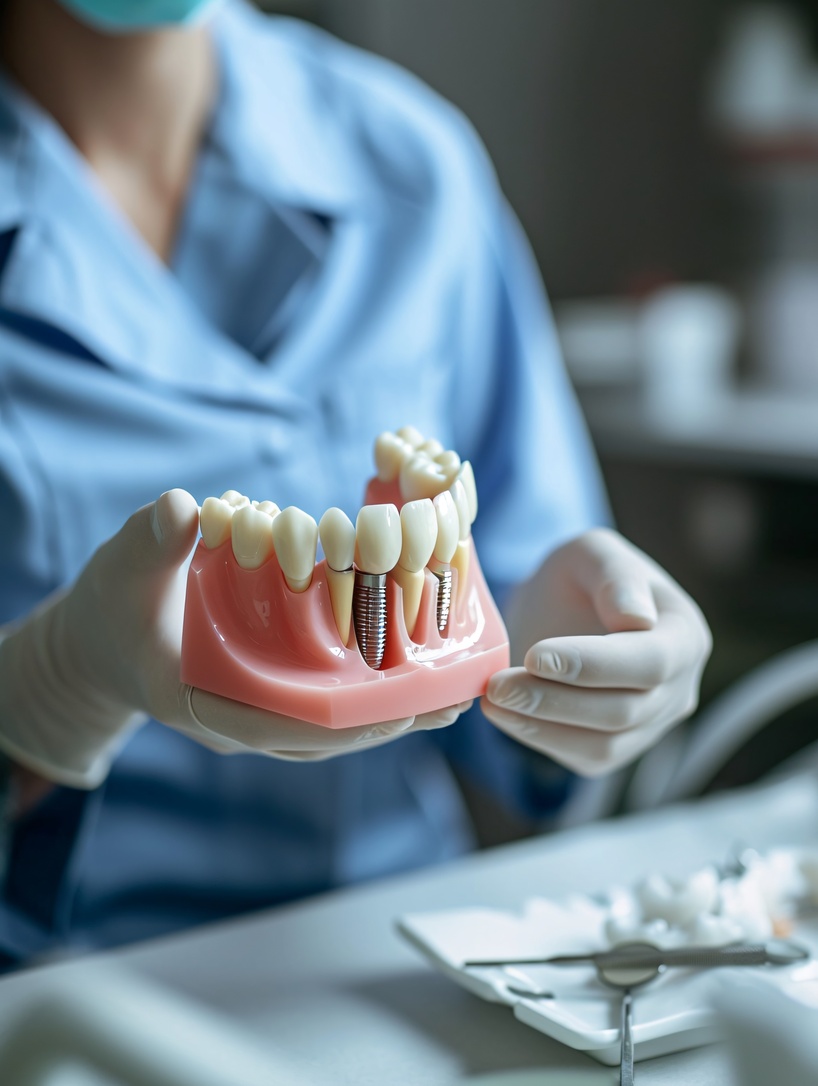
330,985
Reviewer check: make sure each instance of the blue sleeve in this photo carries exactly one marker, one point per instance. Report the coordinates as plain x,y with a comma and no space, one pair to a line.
537,476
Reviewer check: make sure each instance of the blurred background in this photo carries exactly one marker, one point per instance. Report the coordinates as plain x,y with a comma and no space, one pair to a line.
663,159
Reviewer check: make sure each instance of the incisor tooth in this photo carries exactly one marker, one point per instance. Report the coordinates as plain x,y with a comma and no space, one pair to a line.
378,538
448,527
232,497
337,534
460,558
448,530
421,477
411,436
419,534
295,535
390,453
252,532
466,476
215,520
419,531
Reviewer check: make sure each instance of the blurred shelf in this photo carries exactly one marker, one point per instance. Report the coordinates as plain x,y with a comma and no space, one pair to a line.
759,432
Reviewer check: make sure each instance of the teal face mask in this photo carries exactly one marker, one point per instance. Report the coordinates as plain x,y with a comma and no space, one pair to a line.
125,15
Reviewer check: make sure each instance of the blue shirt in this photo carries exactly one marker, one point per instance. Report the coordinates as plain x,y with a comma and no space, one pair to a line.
345,264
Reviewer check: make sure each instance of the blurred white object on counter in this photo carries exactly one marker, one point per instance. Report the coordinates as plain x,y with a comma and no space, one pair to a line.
599,339
688,336
763,84
784,338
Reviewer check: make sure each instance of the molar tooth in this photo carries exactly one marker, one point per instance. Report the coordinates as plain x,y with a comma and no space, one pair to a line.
270,508
390,453
448,531
232,497
449,462
295,535
432,447
419,532
215,521
377,549
466,476
337,534
252,532
411,436
377,538
421,477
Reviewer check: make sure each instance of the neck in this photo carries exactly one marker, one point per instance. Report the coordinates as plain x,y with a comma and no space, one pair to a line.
134,104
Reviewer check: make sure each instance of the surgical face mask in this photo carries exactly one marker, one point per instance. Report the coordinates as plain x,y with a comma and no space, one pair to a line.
120,16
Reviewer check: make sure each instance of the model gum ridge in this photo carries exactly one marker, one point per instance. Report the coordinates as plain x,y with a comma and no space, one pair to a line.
266,625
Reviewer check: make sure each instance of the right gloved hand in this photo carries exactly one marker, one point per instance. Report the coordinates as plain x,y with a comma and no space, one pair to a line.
92,663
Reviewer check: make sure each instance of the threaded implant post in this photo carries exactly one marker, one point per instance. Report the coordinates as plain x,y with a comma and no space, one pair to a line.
369,616
444,597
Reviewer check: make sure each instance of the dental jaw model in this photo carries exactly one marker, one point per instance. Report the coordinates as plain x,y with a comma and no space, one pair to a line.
396,619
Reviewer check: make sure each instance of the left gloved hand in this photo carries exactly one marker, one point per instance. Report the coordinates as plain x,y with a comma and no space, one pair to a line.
612,651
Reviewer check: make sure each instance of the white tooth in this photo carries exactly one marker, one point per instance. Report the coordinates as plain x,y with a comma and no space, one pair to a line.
252,537
419,532
337,538
270,508
215,520
460,558
232,497
448,527
421,477
466,476
337,534
295,535
411,436
377,538
449,461
390,453
458,493
431,447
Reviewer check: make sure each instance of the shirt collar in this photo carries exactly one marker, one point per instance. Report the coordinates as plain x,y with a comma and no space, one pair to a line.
269,122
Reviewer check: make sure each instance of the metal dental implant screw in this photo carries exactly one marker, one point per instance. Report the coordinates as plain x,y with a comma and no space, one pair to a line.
369,616
444,597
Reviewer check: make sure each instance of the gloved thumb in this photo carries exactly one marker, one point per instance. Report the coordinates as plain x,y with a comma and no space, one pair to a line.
158,537
622,596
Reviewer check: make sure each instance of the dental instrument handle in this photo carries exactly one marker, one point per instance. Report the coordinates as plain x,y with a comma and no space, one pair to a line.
626,1033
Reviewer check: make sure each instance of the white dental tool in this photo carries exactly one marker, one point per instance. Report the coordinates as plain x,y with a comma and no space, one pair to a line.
378,545
337,534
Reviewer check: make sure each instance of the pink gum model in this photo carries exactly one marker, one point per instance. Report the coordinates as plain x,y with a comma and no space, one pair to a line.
248,637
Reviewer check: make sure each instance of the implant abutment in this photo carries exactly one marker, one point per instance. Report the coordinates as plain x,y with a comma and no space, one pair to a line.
369,616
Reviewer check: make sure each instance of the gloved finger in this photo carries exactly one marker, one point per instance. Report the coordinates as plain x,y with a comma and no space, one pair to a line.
633,660
618,579
159,535
259,729
601,709
589,753
440,718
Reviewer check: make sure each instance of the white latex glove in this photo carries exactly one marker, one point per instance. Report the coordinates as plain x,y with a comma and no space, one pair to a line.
613,650
92,663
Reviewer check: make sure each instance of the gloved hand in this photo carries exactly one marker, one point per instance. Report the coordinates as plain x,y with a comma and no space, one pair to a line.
94,662
612,652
